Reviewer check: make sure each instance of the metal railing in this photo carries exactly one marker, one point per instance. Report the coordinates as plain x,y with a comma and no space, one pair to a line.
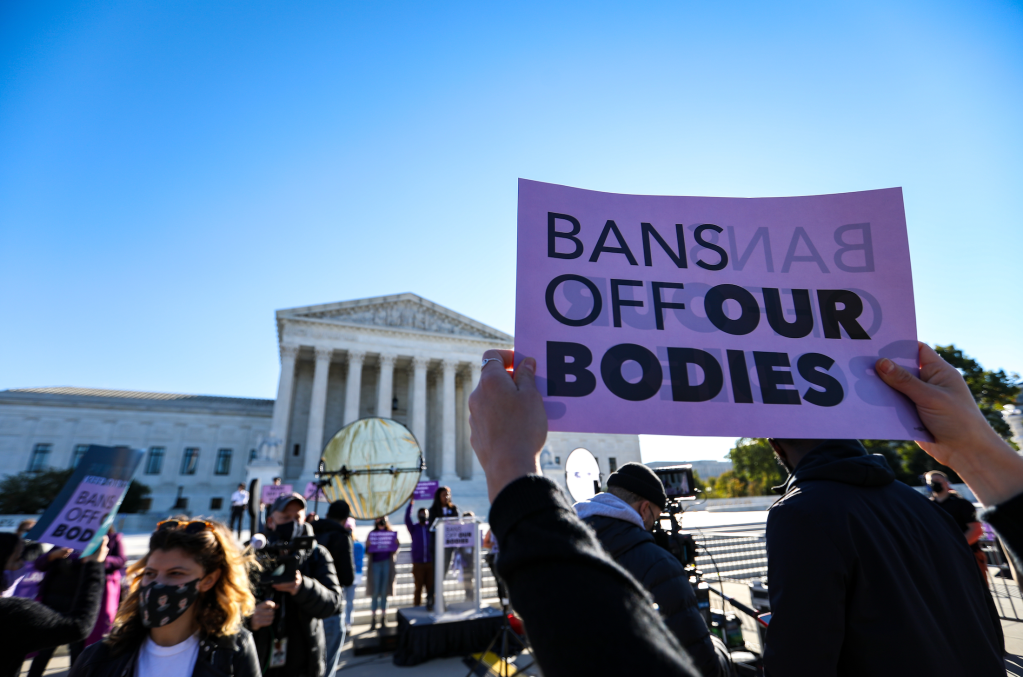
740,554
1003,581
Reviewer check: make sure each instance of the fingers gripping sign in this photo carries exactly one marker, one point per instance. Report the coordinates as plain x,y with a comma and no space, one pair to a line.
507,419
943,401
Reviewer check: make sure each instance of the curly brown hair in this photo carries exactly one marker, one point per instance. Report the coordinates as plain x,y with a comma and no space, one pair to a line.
221,609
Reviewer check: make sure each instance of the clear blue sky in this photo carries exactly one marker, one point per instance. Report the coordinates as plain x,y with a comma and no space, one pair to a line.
173,172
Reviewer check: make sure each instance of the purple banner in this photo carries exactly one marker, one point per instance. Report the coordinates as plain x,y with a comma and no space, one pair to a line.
425,490
742,317
382,541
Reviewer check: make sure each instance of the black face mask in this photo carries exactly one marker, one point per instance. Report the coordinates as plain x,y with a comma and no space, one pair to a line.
162,604
287,531
937,487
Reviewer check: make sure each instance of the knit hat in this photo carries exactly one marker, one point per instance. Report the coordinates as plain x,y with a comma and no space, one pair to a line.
640,480
339,510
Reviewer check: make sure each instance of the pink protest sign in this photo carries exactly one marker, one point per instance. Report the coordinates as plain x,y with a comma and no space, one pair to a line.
84,515
272,492
382,541
314,492
753,317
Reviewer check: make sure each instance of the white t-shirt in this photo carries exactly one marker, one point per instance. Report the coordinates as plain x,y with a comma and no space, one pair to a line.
168,661
240,497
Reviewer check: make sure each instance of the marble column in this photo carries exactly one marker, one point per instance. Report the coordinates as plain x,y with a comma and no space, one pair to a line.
317,411
448,449
285,392
353,386
385,385
474,380
419,365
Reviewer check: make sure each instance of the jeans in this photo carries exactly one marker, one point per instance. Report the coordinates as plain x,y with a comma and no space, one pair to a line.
332,634
349,604
381,581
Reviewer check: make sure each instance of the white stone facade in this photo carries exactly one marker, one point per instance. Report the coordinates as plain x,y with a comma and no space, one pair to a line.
56,421
399,357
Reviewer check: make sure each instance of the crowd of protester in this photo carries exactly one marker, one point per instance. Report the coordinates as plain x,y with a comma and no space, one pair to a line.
866,575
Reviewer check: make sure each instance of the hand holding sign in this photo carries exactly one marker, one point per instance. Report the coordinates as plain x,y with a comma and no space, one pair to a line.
963,439
508,421
101,552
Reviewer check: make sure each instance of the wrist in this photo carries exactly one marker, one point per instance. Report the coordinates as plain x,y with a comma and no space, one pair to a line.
991,468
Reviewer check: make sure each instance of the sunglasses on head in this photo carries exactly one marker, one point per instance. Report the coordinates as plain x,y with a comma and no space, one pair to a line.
193,527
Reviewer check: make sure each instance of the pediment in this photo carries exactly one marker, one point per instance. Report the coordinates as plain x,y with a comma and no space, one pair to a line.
403,311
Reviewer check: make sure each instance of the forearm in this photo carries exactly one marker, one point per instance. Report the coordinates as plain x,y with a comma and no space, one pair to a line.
47,628
992,469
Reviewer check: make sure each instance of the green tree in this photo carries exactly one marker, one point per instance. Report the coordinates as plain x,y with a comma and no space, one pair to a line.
30,493
755,469
991,389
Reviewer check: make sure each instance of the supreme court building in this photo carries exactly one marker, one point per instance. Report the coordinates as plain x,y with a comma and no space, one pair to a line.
399,357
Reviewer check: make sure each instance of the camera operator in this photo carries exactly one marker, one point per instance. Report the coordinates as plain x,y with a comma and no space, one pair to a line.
288,628
585,615
623,519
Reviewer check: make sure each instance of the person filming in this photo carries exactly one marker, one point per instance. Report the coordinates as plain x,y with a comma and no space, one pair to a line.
288,628
623,519
184,609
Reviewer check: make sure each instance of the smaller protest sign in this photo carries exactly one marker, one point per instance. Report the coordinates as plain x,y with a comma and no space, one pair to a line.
85,507
313,493
272,492
382,541
425,490
459,535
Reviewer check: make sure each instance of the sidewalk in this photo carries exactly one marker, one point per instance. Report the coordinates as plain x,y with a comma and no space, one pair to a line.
381,665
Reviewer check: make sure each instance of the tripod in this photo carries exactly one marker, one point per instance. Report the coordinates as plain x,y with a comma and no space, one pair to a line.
506,632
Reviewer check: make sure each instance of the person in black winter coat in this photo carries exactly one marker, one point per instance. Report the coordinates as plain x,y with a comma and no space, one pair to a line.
184,609
28,626
291,622
868,577
333,535
622,519
584,614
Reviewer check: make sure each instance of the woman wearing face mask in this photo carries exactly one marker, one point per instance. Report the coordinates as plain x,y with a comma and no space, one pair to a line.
183,612
380,582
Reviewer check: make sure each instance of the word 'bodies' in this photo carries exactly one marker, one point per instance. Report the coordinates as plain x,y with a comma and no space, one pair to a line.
753,317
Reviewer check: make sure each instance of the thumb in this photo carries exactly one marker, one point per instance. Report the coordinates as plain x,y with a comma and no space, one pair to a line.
901,380
525,374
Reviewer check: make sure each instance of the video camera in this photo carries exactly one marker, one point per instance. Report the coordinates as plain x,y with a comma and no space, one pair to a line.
679,486
277,562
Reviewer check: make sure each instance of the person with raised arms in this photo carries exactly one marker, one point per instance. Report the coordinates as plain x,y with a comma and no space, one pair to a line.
585,615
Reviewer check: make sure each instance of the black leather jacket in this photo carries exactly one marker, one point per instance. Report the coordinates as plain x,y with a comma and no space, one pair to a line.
231,656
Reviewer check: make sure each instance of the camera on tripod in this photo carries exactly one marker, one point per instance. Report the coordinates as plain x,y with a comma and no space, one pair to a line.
277,562
679,486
